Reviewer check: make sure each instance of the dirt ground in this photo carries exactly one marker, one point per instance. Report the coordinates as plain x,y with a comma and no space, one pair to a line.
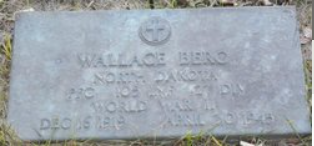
8,8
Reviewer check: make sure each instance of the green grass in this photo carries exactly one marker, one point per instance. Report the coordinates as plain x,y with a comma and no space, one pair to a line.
7,46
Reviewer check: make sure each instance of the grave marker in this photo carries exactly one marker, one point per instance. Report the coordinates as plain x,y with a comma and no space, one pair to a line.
157,73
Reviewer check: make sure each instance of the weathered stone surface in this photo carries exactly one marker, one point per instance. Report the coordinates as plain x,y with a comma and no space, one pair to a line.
157,73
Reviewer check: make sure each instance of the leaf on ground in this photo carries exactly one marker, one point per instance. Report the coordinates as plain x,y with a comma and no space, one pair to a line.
27,10
22,11
243,143
267,2
307,32
228,2
306,35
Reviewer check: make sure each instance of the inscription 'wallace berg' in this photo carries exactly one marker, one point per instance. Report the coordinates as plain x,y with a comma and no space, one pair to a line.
151,59
160,73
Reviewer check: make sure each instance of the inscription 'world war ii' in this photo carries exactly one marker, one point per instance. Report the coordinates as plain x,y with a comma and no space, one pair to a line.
156,73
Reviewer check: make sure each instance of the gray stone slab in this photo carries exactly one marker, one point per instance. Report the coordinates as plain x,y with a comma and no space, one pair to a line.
157,74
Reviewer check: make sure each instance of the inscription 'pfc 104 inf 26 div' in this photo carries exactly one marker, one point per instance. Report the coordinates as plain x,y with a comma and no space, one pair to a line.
156,74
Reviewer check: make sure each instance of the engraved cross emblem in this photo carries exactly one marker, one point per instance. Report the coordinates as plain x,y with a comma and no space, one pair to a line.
155,28
155,31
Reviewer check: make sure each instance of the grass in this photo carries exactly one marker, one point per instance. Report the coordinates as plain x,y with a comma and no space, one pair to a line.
7,46
9,7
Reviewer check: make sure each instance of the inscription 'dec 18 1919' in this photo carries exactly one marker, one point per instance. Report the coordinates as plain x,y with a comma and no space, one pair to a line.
157,74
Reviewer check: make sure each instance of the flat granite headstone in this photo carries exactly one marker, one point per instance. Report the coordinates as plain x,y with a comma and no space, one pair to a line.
157,74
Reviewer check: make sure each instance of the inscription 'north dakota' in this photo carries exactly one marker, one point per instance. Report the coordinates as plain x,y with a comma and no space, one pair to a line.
156,74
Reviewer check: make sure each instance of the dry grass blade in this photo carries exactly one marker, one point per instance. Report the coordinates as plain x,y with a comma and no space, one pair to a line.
290,123
216,141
